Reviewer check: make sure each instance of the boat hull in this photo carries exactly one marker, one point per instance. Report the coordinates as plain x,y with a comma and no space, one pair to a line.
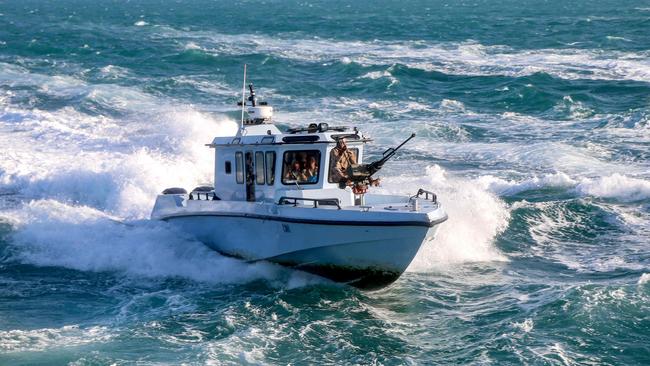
365,255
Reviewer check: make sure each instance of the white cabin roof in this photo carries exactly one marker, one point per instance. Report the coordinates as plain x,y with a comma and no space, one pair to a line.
269,134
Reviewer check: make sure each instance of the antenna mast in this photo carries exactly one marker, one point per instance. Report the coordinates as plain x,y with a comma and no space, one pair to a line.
243,101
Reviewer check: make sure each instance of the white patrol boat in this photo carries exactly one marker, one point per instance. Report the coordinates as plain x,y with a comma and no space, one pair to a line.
275,198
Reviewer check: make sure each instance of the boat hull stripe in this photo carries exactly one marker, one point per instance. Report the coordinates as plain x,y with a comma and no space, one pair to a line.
313,221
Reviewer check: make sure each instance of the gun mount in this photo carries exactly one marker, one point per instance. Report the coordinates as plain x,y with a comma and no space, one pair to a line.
361,174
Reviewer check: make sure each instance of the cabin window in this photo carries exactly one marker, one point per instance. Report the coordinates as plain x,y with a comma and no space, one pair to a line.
239,167
228,167
259,167
301,167
333,160
270,167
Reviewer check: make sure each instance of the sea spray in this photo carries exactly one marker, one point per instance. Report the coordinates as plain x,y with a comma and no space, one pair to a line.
50,233
476,217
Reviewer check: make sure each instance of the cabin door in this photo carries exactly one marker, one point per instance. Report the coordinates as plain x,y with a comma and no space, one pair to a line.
250,177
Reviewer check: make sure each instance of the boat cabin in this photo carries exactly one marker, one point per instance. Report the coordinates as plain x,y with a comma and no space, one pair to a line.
262,163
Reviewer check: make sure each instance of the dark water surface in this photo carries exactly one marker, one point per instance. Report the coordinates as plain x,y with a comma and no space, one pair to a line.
533,128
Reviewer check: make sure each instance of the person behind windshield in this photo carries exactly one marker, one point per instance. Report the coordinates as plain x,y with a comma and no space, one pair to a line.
311,171
343,158
295,172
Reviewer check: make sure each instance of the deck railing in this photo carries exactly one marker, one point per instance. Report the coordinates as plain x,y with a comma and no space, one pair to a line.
426,193
316,201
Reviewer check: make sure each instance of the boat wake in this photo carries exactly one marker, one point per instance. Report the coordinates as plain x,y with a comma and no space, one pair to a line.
51,233
54,226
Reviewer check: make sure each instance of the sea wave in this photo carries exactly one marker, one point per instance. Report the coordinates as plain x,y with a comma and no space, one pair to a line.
458,58
616,186
644,279
562,231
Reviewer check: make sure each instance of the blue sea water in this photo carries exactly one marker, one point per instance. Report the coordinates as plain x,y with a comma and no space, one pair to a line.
533,128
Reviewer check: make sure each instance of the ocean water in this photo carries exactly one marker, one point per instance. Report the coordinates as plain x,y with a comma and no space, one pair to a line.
533,123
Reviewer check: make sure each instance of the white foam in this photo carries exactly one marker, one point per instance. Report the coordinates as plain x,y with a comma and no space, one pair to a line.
476,217
644,279
616,38
113,72
374,75
616,186
140,23
532,156
510,187
113,164
192,46
50,233
451,105
205,85
552,226
526,326
463,58
521,142
573,110
119,178
42,339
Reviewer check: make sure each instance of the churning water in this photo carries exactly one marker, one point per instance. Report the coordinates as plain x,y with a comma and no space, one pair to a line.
533,128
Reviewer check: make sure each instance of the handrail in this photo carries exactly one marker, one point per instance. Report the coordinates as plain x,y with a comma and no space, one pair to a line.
426,193
284,200
209,196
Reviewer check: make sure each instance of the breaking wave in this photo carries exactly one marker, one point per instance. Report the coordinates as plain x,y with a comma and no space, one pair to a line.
616,186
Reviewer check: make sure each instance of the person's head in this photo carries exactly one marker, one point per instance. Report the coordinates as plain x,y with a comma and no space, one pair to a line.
311,162
295,165
340,144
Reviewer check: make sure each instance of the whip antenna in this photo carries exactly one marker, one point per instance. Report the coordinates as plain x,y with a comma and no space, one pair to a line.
243,100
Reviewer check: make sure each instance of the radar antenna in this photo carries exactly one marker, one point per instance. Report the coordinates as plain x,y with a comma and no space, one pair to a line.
252,98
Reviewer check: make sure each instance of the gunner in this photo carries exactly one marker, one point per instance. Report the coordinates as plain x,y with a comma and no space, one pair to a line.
341,158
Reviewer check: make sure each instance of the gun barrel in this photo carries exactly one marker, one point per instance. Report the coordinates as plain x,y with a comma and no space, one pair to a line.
375,166
405,141
392,151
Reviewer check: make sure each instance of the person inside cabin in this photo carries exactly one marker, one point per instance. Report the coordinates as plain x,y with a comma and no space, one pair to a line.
302,159
296,172
311,172
341,158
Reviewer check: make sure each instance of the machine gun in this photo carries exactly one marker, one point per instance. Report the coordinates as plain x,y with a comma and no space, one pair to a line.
361,174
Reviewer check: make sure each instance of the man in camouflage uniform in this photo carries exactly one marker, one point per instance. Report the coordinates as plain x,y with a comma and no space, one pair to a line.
340,160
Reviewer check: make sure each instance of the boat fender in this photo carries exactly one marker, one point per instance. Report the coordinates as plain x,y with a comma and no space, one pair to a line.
203,189
174,190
